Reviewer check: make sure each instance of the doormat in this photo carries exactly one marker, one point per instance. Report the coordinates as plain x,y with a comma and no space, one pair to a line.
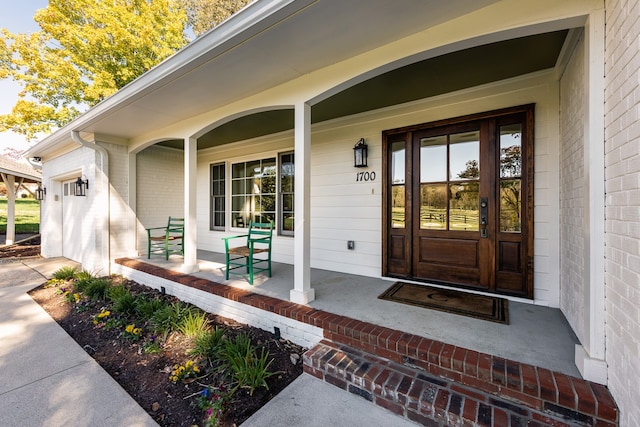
456,302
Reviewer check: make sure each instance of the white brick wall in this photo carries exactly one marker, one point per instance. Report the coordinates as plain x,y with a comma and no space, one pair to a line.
572,197
622,148
293,330
160,189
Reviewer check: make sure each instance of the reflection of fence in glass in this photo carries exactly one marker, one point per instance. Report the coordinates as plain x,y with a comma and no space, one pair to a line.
459,219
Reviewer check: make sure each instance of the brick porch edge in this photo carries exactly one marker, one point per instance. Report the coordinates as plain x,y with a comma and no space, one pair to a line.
576,400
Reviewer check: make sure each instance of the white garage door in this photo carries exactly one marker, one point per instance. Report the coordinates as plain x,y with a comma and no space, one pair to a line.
72,207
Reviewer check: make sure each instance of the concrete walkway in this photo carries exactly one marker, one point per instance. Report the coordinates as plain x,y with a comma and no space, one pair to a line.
48,380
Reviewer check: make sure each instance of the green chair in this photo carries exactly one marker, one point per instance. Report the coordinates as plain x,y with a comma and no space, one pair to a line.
169,241
256,242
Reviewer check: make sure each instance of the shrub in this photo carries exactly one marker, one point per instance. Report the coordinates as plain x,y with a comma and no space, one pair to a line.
123,301
145,306
83,278
65,273
168,318
98,288
249,370
210,344
194,323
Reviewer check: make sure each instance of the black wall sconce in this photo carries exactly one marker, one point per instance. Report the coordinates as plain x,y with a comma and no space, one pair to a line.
41,192
360,154
81,187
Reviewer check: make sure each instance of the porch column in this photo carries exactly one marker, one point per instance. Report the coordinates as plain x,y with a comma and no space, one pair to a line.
10,183
590,356
190,263
302,293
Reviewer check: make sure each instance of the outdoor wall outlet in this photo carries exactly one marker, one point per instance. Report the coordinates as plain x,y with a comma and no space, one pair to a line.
351,245
276,332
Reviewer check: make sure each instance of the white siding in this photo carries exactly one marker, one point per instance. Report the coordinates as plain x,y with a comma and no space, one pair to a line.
622,148
343,209
79,162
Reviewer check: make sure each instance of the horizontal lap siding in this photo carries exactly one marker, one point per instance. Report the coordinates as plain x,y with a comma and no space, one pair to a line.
343,208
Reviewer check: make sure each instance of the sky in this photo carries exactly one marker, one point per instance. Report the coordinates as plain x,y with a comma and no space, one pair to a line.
17,17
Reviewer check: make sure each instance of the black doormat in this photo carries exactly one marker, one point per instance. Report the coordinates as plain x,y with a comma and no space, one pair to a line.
466,304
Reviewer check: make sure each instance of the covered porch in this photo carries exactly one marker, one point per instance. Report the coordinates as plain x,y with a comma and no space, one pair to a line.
536,335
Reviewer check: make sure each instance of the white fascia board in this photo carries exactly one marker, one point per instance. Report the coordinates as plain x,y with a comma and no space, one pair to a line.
240,27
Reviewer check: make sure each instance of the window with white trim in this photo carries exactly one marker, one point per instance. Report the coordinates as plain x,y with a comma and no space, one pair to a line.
258,190
218,197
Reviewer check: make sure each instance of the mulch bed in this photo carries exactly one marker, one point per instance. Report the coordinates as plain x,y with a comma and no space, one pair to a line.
145,376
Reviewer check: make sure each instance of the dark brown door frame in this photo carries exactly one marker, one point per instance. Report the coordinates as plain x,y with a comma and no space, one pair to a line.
397,260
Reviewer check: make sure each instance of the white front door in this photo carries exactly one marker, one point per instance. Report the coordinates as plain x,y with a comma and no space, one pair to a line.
72,210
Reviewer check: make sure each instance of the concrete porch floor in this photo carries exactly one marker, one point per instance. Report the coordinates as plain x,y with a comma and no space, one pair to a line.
535,335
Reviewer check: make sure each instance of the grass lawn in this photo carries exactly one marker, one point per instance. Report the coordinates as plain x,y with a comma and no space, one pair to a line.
27,215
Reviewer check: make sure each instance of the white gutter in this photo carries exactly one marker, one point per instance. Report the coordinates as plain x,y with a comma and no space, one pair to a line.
104,186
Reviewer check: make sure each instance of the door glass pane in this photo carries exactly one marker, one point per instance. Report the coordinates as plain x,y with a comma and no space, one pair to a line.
510,145
463,206
397,206
433,206
433,159
464,156
510,206
398,184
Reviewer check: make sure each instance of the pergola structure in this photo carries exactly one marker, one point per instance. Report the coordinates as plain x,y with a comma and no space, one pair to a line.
14,175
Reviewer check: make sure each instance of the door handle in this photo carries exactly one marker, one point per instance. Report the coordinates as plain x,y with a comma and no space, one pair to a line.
484,215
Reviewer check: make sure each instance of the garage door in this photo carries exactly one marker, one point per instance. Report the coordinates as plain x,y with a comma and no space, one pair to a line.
72,210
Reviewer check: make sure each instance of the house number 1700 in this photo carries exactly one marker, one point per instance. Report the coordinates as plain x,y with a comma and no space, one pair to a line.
365,176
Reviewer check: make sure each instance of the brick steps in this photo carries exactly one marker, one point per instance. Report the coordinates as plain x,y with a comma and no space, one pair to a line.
498,386
427,399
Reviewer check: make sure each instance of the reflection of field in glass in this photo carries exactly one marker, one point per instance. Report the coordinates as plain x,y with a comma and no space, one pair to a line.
436,219
459,220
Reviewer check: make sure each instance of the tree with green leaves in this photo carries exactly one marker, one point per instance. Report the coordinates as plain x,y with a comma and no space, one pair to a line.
86,51
206,14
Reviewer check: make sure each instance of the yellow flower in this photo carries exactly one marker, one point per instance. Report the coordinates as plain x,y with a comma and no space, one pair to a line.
95,322
196,369
129,328
137,331
103,313
76,297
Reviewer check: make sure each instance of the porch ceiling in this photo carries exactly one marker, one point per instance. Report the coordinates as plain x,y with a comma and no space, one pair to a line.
431,77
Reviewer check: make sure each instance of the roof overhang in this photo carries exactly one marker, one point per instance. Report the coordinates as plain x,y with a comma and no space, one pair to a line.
268,43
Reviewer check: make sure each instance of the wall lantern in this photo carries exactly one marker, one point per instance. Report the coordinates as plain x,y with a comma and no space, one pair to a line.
81,187
41,192
360,154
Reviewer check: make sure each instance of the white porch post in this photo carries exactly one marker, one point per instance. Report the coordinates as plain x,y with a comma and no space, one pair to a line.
302,293
590,356
10,182
190,263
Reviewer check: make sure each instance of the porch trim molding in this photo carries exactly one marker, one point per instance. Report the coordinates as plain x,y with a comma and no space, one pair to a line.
590,357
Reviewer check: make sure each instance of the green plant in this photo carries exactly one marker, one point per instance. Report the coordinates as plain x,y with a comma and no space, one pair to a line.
123,301
145,306
194,323
65,273
168,318
209,344
151,345
249,370
83,279
98,288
